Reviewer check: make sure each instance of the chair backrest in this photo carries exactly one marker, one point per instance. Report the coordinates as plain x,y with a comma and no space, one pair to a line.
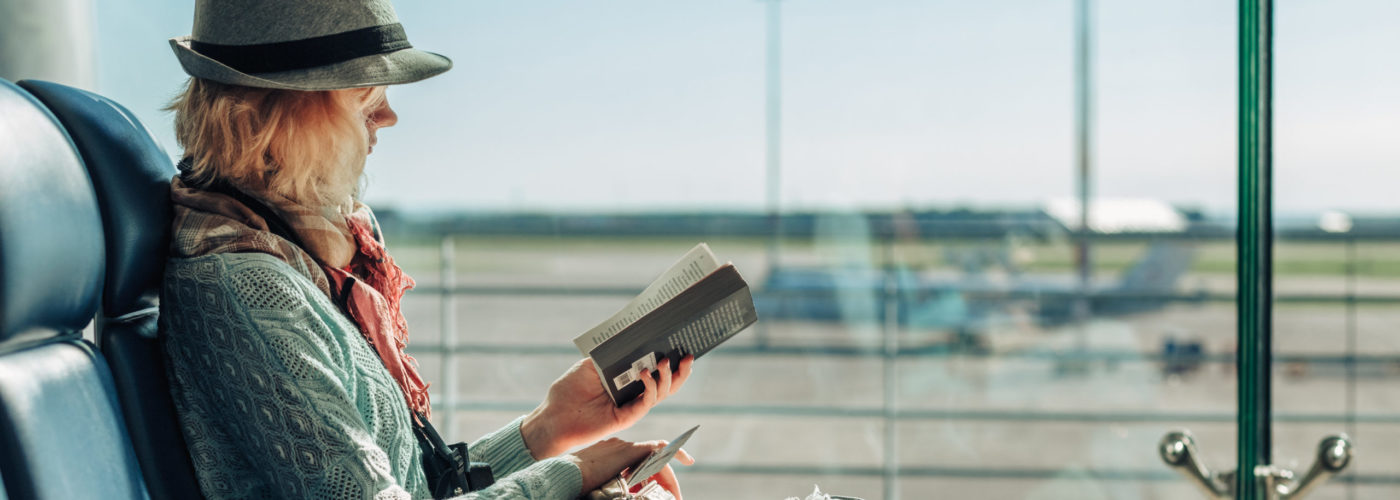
131,174
61,432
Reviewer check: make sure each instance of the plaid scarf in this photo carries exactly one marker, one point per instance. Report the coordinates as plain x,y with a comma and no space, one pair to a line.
341,252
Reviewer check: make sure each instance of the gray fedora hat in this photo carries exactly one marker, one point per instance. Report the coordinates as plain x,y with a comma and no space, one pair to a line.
302,45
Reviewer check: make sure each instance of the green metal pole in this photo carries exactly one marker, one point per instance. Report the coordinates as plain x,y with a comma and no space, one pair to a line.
1255,245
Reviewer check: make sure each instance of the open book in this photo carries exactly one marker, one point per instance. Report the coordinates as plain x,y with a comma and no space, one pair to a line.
691,308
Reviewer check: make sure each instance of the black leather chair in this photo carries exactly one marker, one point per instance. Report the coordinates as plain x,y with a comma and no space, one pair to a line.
131,174
62,435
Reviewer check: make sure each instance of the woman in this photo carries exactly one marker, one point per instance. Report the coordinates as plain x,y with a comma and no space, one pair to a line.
280,310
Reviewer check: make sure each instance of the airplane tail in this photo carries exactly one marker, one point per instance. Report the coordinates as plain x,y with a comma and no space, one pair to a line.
1164,263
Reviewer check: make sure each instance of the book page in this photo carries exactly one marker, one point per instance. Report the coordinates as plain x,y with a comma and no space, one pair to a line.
692,267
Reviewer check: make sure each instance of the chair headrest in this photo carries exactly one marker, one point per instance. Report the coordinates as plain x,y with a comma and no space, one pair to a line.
51,256
131,174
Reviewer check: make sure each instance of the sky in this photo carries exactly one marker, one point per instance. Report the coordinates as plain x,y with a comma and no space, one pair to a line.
632,105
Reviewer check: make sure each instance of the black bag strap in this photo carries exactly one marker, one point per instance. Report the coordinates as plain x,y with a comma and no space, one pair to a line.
449,469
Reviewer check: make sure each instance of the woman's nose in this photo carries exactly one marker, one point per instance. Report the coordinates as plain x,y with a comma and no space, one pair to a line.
384,116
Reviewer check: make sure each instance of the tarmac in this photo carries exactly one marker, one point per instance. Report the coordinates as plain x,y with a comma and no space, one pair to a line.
1073,412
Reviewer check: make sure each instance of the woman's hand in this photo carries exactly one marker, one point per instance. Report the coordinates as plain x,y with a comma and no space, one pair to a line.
577,409
604,460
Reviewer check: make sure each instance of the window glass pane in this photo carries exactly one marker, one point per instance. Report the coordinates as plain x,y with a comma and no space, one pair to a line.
1336,113
921,327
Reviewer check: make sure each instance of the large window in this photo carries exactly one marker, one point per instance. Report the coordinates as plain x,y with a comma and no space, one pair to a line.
896,180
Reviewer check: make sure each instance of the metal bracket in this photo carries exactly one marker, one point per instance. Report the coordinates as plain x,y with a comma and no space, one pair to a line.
1178,450
1333,455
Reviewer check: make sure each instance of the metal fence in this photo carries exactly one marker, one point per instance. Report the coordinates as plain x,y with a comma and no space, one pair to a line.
890,350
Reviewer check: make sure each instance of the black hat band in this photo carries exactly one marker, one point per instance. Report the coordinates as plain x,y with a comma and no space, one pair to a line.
308,52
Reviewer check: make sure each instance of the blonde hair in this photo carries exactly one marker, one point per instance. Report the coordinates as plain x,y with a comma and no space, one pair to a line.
308,146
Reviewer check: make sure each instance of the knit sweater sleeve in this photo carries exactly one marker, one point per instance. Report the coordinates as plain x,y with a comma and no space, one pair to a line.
517,473
263,364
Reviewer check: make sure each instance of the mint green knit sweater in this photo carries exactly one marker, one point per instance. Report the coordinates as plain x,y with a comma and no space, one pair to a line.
279,396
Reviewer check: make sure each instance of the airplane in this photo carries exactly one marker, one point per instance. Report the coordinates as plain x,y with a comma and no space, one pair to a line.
970,306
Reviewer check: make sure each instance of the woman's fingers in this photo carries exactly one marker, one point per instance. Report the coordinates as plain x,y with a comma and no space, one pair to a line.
657,385
648,398
606,459
670,382
667,479
663,386
684,373
634,410
685,457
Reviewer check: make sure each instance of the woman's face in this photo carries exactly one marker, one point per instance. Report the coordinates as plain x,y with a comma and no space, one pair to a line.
378,117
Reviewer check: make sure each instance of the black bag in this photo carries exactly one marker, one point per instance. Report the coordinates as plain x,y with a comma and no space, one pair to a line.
449,469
